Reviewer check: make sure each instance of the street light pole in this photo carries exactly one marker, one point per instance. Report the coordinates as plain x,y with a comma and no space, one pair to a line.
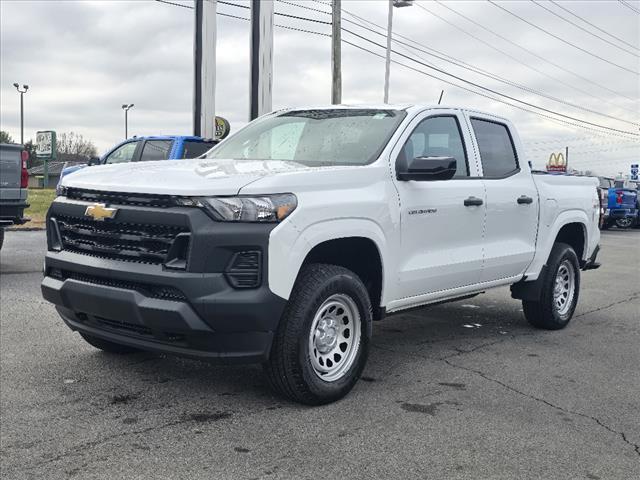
21,92
392,3
126,108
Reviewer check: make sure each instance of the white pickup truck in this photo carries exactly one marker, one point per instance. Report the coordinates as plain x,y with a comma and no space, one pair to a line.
287,240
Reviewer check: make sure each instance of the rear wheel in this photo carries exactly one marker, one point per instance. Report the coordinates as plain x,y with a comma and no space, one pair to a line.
322,341
559,292
1,237
107,346
626,222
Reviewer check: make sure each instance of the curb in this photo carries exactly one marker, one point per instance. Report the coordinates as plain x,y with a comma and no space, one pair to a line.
26,229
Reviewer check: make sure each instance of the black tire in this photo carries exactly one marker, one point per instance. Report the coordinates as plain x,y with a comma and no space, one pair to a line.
107,346
1,237
545,313
290,370
625,223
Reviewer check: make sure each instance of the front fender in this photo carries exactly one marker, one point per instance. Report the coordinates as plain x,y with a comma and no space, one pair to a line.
289,246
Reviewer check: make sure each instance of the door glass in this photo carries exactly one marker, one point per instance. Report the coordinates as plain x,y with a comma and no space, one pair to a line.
438,137
122,154
156,150
193,149
496,148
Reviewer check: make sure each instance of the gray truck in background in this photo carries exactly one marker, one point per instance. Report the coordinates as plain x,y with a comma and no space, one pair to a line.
14,180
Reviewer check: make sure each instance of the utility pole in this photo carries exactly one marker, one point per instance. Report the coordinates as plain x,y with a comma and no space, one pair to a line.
21,92
261,67
126,107
204,59
566,157
336,53
392,3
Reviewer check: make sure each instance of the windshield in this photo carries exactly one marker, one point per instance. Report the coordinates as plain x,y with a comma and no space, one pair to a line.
314,137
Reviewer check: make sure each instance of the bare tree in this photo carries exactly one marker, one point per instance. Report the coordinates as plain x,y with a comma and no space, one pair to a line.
73,146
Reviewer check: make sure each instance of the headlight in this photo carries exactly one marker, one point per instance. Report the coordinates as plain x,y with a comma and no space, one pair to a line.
61,191
268,208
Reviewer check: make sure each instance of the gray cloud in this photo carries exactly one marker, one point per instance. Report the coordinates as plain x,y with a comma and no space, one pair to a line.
84,59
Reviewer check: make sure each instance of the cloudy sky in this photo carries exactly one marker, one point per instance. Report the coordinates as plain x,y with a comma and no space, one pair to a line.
84,59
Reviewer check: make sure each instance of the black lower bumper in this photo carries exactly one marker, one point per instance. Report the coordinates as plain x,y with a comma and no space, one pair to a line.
13,212
190,314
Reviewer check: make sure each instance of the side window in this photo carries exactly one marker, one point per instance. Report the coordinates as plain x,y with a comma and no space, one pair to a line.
156,150
122,154
497,152
438,137
193,149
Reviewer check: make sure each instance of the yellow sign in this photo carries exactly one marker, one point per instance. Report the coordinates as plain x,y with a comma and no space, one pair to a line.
99,211
557,163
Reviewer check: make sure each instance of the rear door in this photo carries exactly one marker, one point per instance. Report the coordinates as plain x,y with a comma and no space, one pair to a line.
512,200
10,172
153,150
441,232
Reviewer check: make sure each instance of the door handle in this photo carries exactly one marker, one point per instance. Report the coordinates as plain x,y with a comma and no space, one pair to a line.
524,200
473,202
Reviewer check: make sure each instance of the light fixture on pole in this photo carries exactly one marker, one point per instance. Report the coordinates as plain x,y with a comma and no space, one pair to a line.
21,92
126,108
398,4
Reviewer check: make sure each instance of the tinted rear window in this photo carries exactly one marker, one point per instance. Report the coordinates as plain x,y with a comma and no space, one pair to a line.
193,148
156,150
496,148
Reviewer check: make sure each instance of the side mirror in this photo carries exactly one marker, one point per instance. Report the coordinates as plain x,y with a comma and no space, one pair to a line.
93,161
425,168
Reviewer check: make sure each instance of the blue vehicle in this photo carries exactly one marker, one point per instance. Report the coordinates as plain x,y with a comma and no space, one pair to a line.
145,149
622,207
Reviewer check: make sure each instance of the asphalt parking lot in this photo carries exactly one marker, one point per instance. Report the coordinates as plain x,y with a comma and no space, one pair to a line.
462,390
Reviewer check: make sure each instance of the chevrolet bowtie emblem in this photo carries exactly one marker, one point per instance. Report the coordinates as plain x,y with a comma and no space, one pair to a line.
99,211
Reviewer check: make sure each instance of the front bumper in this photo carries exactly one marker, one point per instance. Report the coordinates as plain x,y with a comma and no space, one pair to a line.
192,312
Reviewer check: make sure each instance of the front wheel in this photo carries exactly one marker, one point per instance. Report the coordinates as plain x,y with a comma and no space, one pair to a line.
559,292
322,342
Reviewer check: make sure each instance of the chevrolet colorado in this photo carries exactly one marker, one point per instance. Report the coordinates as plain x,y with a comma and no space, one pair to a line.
292,236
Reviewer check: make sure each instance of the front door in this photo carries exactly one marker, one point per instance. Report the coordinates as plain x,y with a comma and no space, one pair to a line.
442,220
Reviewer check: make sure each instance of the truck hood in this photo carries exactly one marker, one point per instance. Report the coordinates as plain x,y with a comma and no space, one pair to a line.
179,177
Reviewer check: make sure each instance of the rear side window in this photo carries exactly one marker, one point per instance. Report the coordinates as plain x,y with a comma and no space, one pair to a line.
122,154
156,150
438,137
497,152
193,149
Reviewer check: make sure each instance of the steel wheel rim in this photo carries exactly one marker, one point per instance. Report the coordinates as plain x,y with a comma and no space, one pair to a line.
624,222
564,288
334,339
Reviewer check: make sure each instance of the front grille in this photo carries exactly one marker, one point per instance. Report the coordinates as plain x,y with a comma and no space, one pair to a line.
144,243
162,292
116,198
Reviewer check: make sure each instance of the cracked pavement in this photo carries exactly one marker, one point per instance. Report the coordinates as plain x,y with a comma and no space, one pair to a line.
437,399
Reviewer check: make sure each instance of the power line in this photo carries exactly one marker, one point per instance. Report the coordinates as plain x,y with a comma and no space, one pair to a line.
464,65
530,52
632,8
584,29
476,85
548,117
287,27
610,130
276,13
593,25
561,39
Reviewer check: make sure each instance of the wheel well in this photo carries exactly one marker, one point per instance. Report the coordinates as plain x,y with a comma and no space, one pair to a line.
358,254
573,234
